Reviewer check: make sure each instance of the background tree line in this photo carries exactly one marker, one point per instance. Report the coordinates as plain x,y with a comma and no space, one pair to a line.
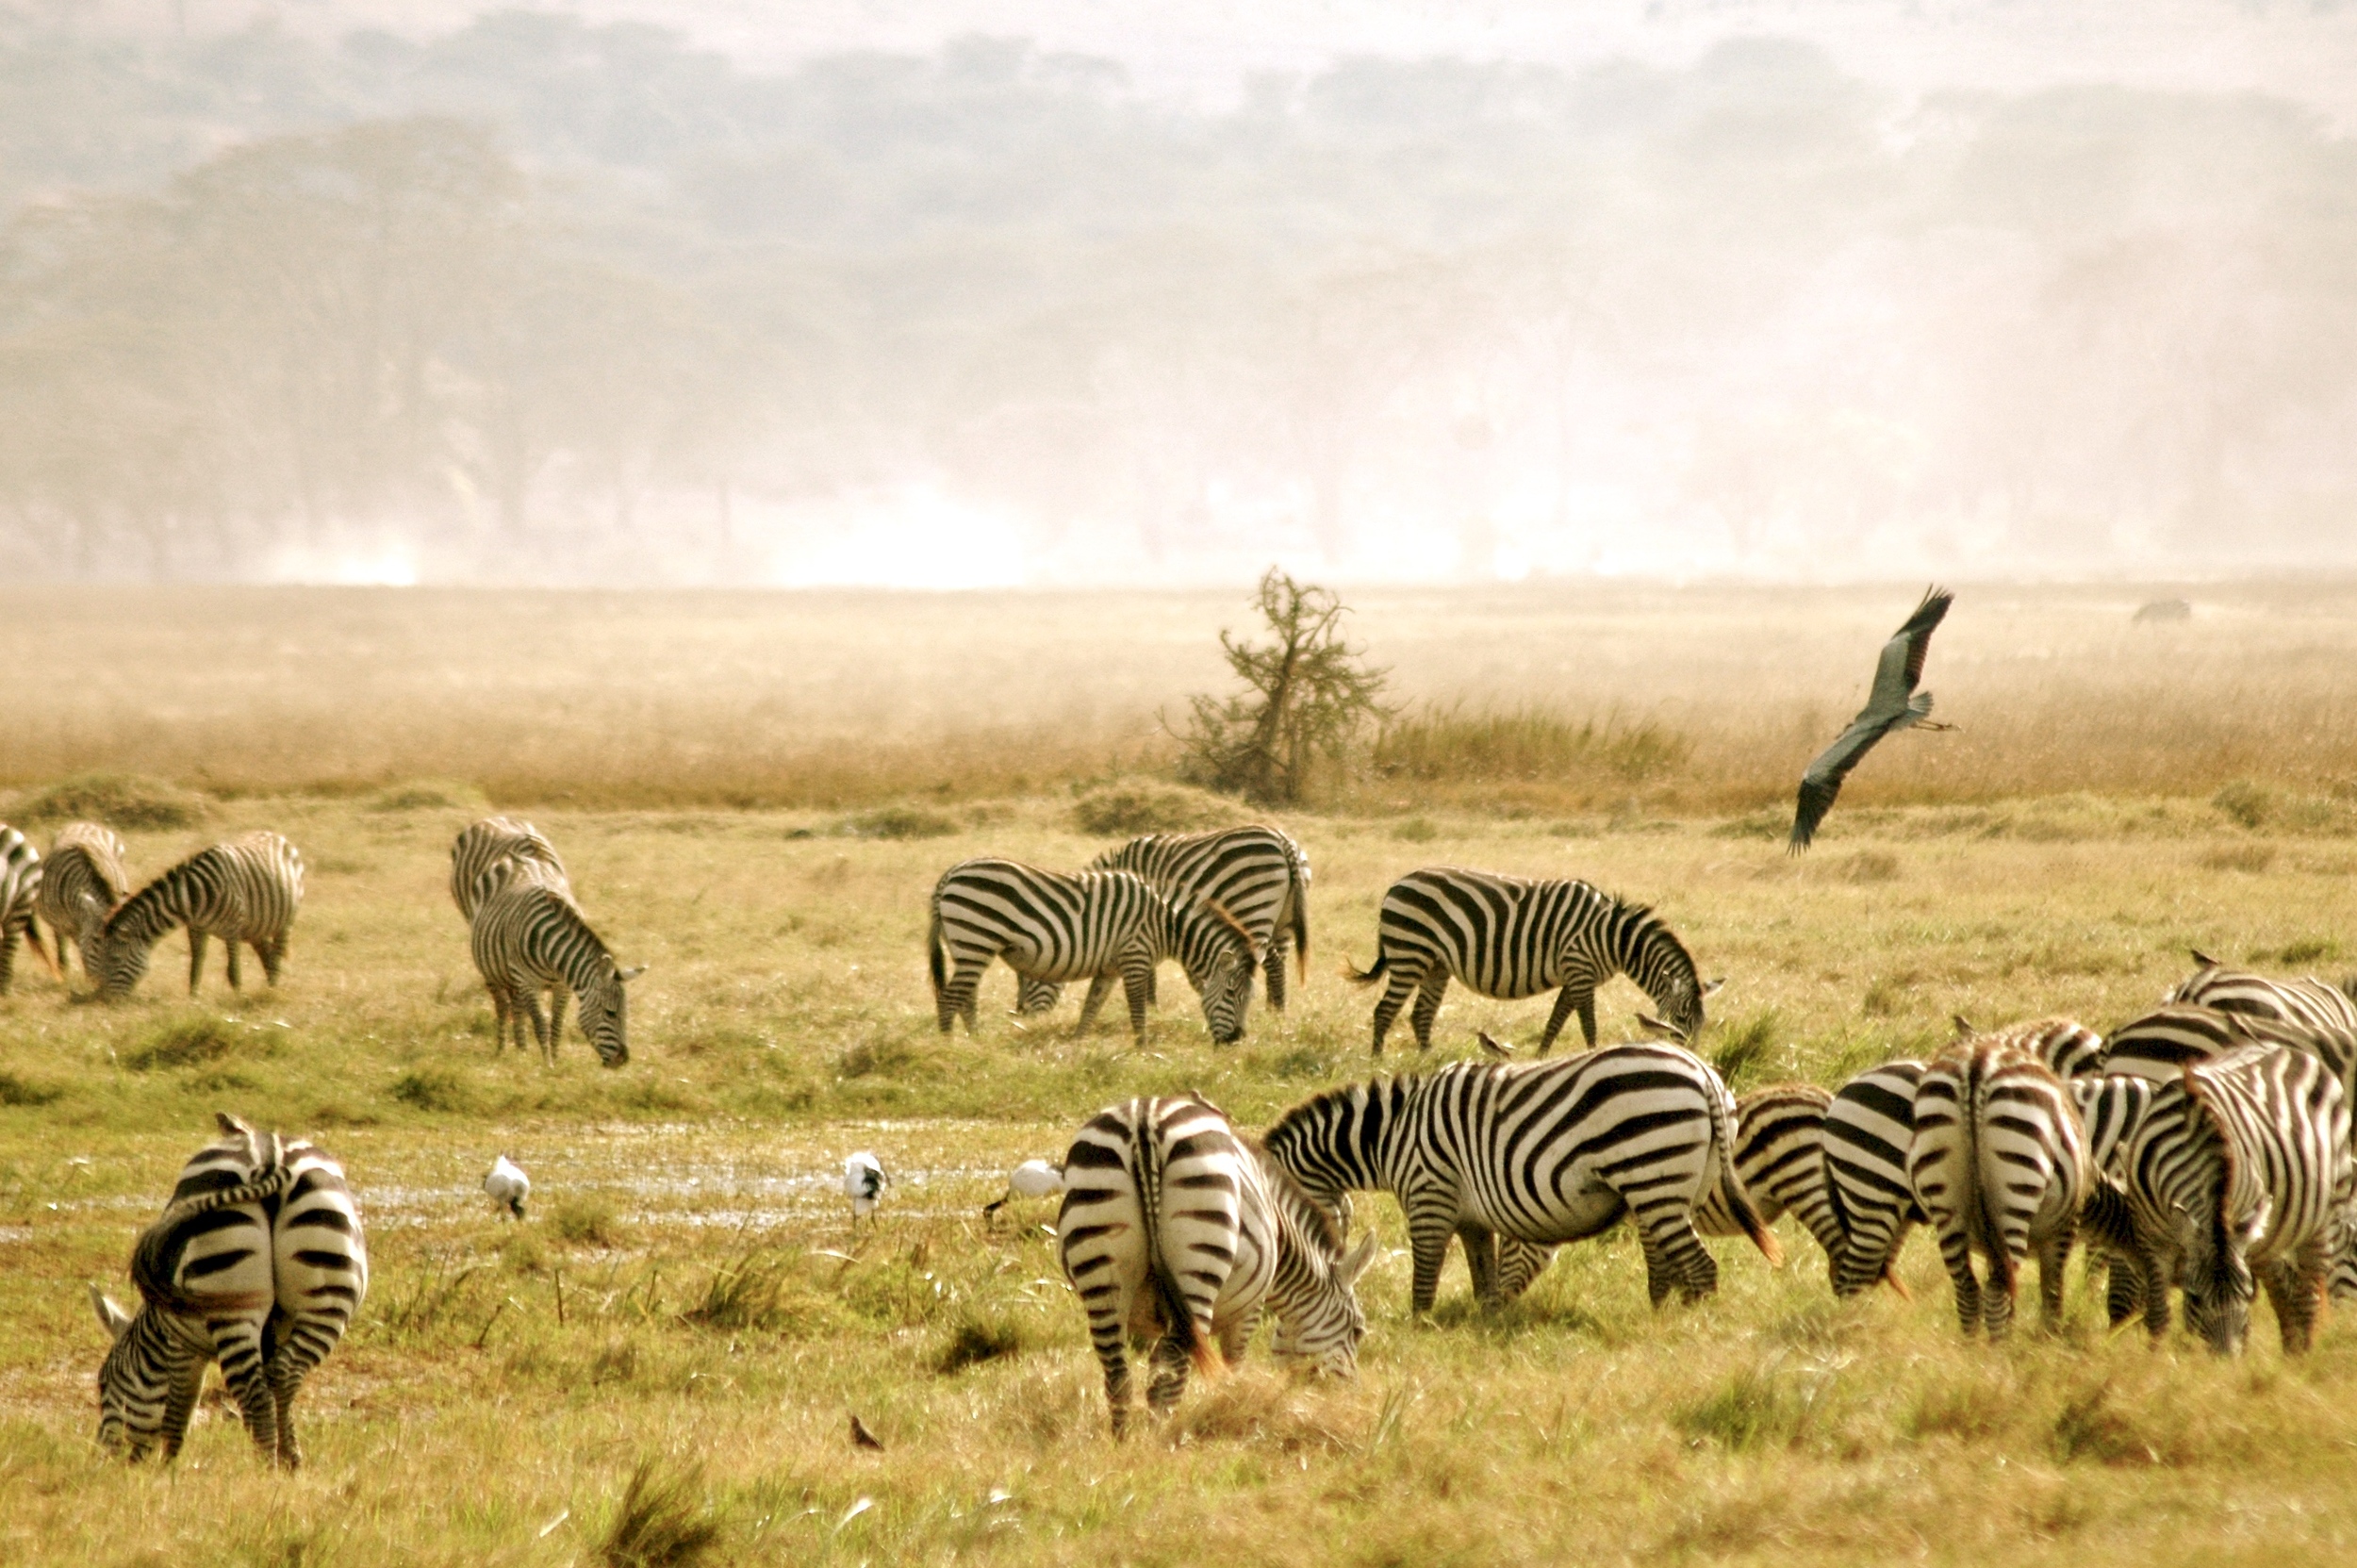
546,300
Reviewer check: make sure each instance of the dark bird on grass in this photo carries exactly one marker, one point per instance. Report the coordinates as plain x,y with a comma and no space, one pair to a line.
861,1436
1895,704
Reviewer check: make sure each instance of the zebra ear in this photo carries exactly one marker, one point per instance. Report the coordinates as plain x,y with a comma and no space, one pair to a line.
1355,1262
632,973
1711,987
110,1317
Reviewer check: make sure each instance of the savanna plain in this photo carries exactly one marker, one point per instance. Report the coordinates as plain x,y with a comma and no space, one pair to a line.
754,793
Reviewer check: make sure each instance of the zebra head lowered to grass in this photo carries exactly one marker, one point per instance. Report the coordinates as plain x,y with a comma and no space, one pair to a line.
2239,1176
1093,926
258,1261
247,892
82,882
1177,1230
529,938
1512,937
1537,1153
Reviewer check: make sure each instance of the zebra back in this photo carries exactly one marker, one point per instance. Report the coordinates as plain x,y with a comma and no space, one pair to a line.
492,844
1779,1157
2111,1107
247,889
2067,1047
1870,1129
1259,874
82,882
2323,1013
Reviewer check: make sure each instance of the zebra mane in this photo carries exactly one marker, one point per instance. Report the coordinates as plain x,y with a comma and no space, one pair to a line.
1295,1199
137,915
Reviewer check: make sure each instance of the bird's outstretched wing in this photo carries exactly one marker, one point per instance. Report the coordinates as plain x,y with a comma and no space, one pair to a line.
1822,781
1900,667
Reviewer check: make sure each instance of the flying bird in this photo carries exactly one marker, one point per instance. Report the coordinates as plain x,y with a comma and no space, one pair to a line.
1031,1179
507,1185
864,1181
1895,704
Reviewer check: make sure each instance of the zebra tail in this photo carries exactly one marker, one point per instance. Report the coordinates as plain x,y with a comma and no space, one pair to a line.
1731,1193
1301,934
1984,1215
1177,1317
1373,971
936,961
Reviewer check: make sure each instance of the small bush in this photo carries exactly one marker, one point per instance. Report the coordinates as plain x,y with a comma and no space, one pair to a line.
977,1337
192,1043
2254,858
585,1219
434,1088
1416,830
1740,1061
2088,1428
2245,803
1125,811
662,1521
24,1091
2306,950
118,800
898,822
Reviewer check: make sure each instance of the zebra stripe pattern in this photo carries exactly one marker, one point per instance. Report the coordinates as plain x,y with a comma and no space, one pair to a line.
2067,1047
2238,1177
528,937
1094,926
1870,1129
1542,1152
244,891
2111,1108
19,888
1258,874
1174,1227
1999,1166
2322,1012
81,883
1510,937
497,844
258,1261
1779,1156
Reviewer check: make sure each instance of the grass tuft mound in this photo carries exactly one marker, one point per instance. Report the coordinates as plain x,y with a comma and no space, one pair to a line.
662,1521
1128,809
428,795
26,1091
980,1336
898,822
434,1088
119,799
194,1043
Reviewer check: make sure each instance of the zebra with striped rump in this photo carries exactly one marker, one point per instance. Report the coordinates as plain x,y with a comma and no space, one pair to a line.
2111,1107
1511,937
1780,1156
244,891
494,844
20,887
528,937
1094,926
1870,1129
2240,1176
1541,1153
1176,1229
258,1261
2067,1047
81,883
1999,1166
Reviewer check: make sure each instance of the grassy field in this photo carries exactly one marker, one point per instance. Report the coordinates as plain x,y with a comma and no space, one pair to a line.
688,1302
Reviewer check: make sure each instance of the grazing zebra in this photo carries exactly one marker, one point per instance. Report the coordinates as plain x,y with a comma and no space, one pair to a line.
495,843
1870,1129
258,1261
1511,937
2067,1047
2323,1013
1779,1154
1999,1166
1093,926
1258,874
81,883
1174,1228
2111,1107
2161,1044
2240,1176
528,937
244,891
19,888
1541,1153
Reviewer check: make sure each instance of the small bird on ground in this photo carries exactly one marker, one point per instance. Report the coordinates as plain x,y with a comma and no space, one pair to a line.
1893,704
861,1436
507,1185
1495,1047
864,1181
1031,1179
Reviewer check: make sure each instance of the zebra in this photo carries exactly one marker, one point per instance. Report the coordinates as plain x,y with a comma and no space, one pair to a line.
2325,1012
1511,937
2240,1176
2111,1107
1999,1166
2067,1047
244,891
493,843
1541,1153
1870,1129
1779,1154
19,888
1174,1226
528,937
82,883
1259,874
259,1261
1094,925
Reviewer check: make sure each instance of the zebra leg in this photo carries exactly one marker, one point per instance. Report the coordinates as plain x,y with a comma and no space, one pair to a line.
956,999
2052,1257
1404,980
1153,986
1675,1258
1955,1251
529,997
237,981
558,997
1235,1336
1137,985
1170,1376
238,1341
272,953
184,1382
1428,1005
196,957
1519,1264
1429,1228
1575,993
1272,968
2155,1283
1481,1262
2295,1287
2123,1289
1100,986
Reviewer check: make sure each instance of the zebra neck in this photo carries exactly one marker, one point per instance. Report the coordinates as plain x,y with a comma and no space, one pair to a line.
153,909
